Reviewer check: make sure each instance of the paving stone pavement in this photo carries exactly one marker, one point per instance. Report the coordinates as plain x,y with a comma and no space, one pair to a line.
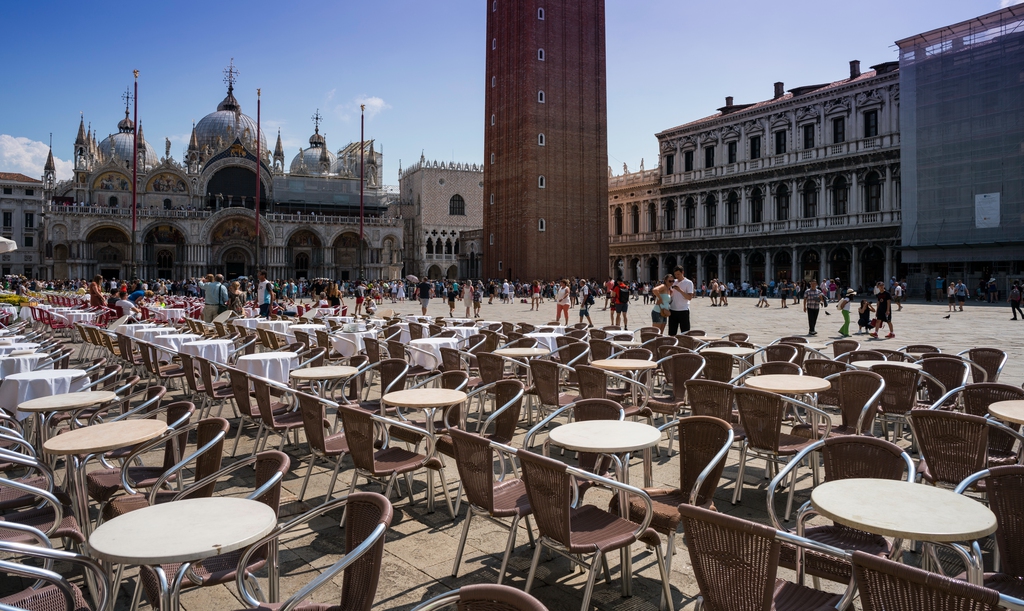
420,546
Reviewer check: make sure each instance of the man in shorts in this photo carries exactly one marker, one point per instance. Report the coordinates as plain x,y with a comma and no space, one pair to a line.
621,301
360,297
608,288
423,293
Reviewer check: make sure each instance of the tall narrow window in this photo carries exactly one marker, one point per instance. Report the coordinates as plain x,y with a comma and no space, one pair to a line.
457,206
540,14
491,240
540,96
540,54
494,81
690,213
670,164
755,147
871,124
730,150
688,161
873,193
782,203
494,6
634,217
710,211
780,142
810,200
492,119
838,130
492,199
492,158
430,246
670,215
840,196
756,206
808,136
709,156
542,182
494,43
618,221
733,208
542,225
540,139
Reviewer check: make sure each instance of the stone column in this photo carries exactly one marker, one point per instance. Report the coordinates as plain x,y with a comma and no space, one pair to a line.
796,265
854,267
721,266
823,269
889,261
744,272
853,201
768,264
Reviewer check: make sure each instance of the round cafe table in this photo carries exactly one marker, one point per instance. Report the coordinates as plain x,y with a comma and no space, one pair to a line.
546,340
618,438
431,345
171,343
350,344
248,323
907,511
1008,411
168,314
20,387
320,378
633,367
80,445
21,363
19,347
131,329
185,532
274,366
522,353
788,384
739,351
277,326
429,400
147,335
213,350
867,365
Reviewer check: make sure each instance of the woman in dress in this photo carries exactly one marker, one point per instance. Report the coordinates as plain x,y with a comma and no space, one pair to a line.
662,298
467,298
401,291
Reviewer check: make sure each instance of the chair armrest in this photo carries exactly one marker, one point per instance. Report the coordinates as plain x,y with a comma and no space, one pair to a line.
718,457
181,465
494,414
781,477
528,440
947,395
617,485
142,448
46,497
49,556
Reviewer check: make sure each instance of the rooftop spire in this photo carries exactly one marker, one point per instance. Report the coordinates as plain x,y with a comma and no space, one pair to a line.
193,141
50,166
278,148
230,76
81,131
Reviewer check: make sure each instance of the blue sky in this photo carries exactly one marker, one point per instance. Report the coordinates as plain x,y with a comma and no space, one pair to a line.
418,65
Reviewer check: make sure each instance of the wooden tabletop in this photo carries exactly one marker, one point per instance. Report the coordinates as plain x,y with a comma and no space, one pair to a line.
870,364
424,398
624,364
900,509
1008,411
607,436
103,437
787,384
189,529
327,372
67,401
731,350
522,352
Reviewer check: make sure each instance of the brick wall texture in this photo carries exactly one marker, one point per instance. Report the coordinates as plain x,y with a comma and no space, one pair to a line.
574,157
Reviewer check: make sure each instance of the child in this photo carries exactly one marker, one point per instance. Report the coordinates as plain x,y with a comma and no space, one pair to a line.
864,321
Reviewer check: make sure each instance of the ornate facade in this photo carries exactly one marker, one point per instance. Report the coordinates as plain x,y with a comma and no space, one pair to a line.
21,202
198,215
803,185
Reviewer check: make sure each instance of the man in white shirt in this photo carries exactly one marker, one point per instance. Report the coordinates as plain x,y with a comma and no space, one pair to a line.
264,294
679,306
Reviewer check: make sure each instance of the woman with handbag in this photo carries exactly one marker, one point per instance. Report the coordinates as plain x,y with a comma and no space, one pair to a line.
662,298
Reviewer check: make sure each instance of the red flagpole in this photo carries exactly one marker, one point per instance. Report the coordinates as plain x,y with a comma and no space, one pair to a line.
362,123
258,164
135,164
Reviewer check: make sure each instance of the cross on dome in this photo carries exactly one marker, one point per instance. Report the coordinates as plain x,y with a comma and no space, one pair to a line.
316,120
230,75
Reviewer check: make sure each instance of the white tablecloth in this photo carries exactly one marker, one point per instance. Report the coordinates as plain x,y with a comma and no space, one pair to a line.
432,345
168,314
345,348
20,387
271,365
546,340
462,332
308,328
277,326
131,329
10,309
26,311
248,323
10,365
341,320
556,329
251,312
148,334
455,321
405,337
75,316
216,350
173,342
9,348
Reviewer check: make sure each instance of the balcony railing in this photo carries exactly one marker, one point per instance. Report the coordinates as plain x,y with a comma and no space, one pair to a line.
104,211
882,218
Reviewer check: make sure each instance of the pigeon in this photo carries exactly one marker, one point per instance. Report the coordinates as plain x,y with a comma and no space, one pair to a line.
947,315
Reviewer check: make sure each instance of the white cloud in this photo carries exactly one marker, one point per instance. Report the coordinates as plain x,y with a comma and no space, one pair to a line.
28,157
350,110
1006,3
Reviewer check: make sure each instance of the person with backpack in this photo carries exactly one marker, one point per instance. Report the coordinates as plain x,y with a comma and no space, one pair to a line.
1015,294
621,304
585,303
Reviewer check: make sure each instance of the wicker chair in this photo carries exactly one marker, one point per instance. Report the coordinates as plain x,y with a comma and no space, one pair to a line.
1005,491
601,349
483,597
735,563
845,457
976,398
953,445
547,387
991,360
898,397
842,346
762,414
51,591
393,376
919,349
322,444
594,385
859,392
678,369
944,374
587,529
273,420
780,352
860,355
504,498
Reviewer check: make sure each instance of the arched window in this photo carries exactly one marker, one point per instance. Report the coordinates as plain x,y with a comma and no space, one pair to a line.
652,217
840,196
733,208
872,193
430,246
782,203
710,211
540,54
456,247
635,219
756,206
540,14
540,96
542,182
447,247
494,81
670,215
542,225
168,204
492,119
618,221
165,264
457,206
540,139
494,43
112,202
492,158
810,193
690,213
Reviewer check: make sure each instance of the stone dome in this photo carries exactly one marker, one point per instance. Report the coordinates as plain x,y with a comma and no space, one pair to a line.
122,145
228,123
311,157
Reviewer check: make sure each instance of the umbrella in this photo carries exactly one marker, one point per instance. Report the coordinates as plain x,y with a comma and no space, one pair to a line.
410,277
8,245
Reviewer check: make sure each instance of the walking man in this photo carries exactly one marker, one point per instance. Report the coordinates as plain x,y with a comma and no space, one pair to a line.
1015,294
812,304
216,295
264,294
679,304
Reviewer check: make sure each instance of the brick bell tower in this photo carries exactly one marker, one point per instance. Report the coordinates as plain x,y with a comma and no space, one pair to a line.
545,140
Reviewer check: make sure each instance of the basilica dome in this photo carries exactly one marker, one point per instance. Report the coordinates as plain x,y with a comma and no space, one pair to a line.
120,144
308,161
219,129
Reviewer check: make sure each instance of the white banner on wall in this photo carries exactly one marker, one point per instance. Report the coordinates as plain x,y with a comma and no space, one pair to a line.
986,210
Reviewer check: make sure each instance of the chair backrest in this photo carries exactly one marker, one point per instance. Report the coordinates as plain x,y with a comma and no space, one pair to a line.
640,354
174,449
314,421
738,337
415,331
365,512
240,389
718,367
549,488
822,368
492,367
793,339
989,359
955,445
762,414
861,355
710,398
842,346
596,409
860,456
976,399
598,334
271,463
893,355
919,348
360,434
451,360
700,440
264,402
722,343
593,382
506,421
190,372
209,462
393,375
474,458
1005,488
779,368
679,368
484,597
734,561
372,347
855,390
780,352
601,349
951,372
545,379
885,584
900,394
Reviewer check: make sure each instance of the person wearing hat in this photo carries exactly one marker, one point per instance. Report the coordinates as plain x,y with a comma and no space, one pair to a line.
844,306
